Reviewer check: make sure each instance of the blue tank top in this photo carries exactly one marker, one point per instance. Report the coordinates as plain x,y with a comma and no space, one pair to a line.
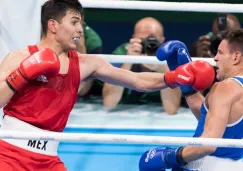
232,131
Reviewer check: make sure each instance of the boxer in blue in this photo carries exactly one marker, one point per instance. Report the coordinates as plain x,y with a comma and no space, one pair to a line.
219,114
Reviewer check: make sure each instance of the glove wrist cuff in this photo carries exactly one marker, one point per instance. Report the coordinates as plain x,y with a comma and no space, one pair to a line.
170,79
16,80
186,94
179,157
173,157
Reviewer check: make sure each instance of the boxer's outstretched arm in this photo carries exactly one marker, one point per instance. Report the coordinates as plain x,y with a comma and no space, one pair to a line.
9,64
144,81
95,67
220,101
187,74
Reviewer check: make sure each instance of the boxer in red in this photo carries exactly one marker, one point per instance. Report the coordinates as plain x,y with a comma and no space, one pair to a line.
39,85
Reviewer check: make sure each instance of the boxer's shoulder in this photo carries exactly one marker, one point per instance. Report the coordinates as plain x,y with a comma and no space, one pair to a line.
227,89
91,60
19,54
12,61
225,84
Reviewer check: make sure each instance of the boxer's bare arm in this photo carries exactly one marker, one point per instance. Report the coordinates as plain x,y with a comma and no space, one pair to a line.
221,99
8,65
194,102
95,67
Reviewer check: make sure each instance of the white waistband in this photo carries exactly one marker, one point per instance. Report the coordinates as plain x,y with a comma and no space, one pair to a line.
212,163
38,146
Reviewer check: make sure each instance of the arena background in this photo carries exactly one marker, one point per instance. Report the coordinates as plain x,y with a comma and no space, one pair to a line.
116,27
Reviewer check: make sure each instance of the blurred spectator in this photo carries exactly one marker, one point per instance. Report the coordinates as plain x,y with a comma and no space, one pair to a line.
147,37
89,43
207,45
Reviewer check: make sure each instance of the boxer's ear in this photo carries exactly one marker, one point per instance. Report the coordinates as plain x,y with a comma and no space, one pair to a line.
52,25
237,57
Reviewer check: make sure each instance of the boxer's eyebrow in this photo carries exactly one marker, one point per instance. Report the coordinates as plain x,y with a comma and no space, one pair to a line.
78,18
220,51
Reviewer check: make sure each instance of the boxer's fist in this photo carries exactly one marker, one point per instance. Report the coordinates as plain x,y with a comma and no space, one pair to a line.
160,159
199,74
42,62
174,52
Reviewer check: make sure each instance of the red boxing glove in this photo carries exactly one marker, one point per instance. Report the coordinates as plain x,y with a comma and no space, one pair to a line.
44,61
199,74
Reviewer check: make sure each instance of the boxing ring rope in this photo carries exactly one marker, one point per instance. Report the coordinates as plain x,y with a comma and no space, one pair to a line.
141,59
115,138
164,6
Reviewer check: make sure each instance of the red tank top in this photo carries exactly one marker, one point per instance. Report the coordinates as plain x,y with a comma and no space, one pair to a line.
47,102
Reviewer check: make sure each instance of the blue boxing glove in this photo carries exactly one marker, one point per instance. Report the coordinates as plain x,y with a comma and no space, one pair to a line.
160,159
175,53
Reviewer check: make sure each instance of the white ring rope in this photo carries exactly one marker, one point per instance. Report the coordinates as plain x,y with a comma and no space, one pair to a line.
141,59
115,138
164,6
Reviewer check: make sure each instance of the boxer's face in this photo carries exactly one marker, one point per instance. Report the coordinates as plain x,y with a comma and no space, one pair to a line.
223,61
69,30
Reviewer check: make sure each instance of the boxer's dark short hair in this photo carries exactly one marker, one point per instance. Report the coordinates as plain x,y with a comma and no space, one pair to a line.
235,40
56,9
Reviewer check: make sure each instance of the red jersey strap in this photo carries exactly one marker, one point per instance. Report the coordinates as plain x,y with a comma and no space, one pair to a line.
73,56
72,53
33,49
